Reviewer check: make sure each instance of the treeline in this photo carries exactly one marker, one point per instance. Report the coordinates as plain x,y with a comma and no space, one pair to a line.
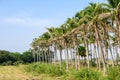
15,58
96,28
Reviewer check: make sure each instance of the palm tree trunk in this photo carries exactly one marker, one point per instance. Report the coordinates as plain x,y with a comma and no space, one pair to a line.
48,54
43,55
117,56
118,23
100,45
39,54
51,54
66,54
75,53
106,56
111,57
71,56
37,57
86,45
99,57
55,51
95,53
78,62
60,59
34,55
106,35
91,55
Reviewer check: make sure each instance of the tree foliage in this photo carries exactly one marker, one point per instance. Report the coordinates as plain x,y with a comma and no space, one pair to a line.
81,51
13,58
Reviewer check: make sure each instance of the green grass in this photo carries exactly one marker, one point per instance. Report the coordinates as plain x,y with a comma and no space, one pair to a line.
45,68
46,71
72,74
18,73
113,73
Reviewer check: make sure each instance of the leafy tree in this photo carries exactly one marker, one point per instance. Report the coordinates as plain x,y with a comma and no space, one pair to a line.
27,57
81,51
16,56
6,56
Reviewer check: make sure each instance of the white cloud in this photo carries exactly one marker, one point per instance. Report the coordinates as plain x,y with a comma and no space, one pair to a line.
26,21
14,20
32,22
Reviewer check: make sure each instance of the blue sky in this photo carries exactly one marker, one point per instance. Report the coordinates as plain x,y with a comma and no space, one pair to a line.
23,20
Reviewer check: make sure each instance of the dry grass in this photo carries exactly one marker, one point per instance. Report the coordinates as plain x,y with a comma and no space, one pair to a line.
18,73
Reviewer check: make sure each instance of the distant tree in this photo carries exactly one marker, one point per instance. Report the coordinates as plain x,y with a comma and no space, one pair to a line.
6,56
27,57
16,55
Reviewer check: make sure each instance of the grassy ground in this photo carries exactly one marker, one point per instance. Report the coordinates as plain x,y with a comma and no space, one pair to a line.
18,73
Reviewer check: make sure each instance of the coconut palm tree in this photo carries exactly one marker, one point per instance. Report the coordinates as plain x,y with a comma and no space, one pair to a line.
55,33
114,5
97,9
93,25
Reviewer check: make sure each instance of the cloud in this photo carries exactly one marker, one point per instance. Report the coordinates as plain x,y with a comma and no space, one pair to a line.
14,20
31,22
27,21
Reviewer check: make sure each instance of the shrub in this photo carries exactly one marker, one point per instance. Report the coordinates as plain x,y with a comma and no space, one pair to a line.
93,64
7,63
45,68
30,67
86,74
113,73
18,62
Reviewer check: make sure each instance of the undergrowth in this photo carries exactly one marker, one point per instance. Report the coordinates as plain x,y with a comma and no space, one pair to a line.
113,73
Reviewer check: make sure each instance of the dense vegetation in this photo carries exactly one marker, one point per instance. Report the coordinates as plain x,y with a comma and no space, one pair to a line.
15,58
113,73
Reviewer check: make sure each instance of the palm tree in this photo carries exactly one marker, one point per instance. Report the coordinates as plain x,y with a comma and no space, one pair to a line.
59,44
35,49
82,16
92,25
52,33
98,9
115,9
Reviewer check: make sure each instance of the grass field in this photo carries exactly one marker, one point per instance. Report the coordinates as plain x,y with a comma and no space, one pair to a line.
18,73
37,73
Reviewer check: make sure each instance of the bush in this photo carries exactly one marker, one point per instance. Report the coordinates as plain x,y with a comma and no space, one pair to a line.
7,63
18,62
113,73
86,74
93,64
45,68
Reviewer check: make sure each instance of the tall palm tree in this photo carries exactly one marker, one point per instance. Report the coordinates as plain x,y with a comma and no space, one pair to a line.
94,25
52,33
114,5
98,9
